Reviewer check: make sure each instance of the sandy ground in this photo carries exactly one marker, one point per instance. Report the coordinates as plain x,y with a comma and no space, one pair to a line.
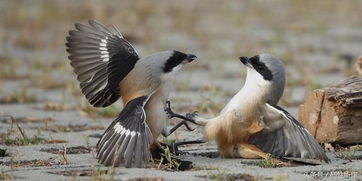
317,41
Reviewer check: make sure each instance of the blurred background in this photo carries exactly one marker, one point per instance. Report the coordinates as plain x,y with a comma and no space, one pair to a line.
317,40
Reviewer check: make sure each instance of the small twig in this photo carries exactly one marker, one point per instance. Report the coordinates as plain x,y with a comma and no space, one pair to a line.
65,155
160,163
17,125
19,128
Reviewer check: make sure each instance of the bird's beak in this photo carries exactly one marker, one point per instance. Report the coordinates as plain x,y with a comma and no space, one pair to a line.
191,57
245,61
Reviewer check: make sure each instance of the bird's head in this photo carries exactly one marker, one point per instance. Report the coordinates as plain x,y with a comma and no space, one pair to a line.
267,72
162,66
173,61
176,59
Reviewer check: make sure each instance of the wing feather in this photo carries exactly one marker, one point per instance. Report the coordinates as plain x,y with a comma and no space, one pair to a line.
288,139
101,58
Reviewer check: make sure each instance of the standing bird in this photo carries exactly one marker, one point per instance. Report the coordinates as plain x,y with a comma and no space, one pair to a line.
252,123
109,68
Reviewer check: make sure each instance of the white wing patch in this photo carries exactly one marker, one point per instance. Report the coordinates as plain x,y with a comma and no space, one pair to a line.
104,50
118,128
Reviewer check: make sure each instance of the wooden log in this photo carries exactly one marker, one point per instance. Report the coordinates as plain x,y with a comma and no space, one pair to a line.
334,114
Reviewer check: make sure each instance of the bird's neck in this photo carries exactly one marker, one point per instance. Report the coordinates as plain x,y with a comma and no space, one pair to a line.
250,96
253,93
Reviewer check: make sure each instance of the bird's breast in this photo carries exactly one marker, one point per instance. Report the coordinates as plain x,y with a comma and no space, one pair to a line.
156,116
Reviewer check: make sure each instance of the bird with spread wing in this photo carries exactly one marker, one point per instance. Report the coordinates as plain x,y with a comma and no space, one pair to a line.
109,68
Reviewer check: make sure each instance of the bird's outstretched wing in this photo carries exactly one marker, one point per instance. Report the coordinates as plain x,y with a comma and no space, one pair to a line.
101,58
127,139
286,137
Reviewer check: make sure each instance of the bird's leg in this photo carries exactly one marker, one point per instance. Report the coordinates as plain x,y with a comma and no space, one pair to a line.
188,117
178,125
198,141
246,150
174,146
250,151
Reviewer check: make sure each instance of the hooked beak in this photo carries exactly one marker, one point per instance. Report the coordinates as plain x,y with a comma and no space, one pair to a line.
245,61
191,57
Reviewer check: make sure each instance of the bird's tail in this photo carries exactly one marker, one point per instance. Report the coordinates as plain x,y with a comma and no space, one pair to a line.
128,138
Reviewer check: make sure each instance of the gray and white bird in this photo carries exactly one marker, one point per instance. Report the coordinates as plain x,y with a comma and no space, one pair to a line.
252,125
109,68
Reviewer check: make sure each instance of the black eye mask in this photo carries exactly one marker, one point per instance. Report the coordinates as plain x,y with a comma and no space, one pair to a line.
261,68
173,61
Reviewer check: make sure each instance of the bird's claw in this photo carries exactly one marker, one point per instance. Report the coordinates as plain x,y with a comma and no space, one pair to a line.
189,116
192,115
169,116
169,112
168,103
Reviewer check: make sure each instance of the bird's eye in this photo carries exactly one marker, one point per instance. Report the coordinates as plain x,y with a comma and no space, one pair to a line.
259,66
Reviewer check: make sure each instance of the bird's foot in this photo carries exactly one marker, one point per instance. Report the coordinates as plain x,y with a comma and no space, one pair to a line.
192,115
165,158
168,110
188,117
173,147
